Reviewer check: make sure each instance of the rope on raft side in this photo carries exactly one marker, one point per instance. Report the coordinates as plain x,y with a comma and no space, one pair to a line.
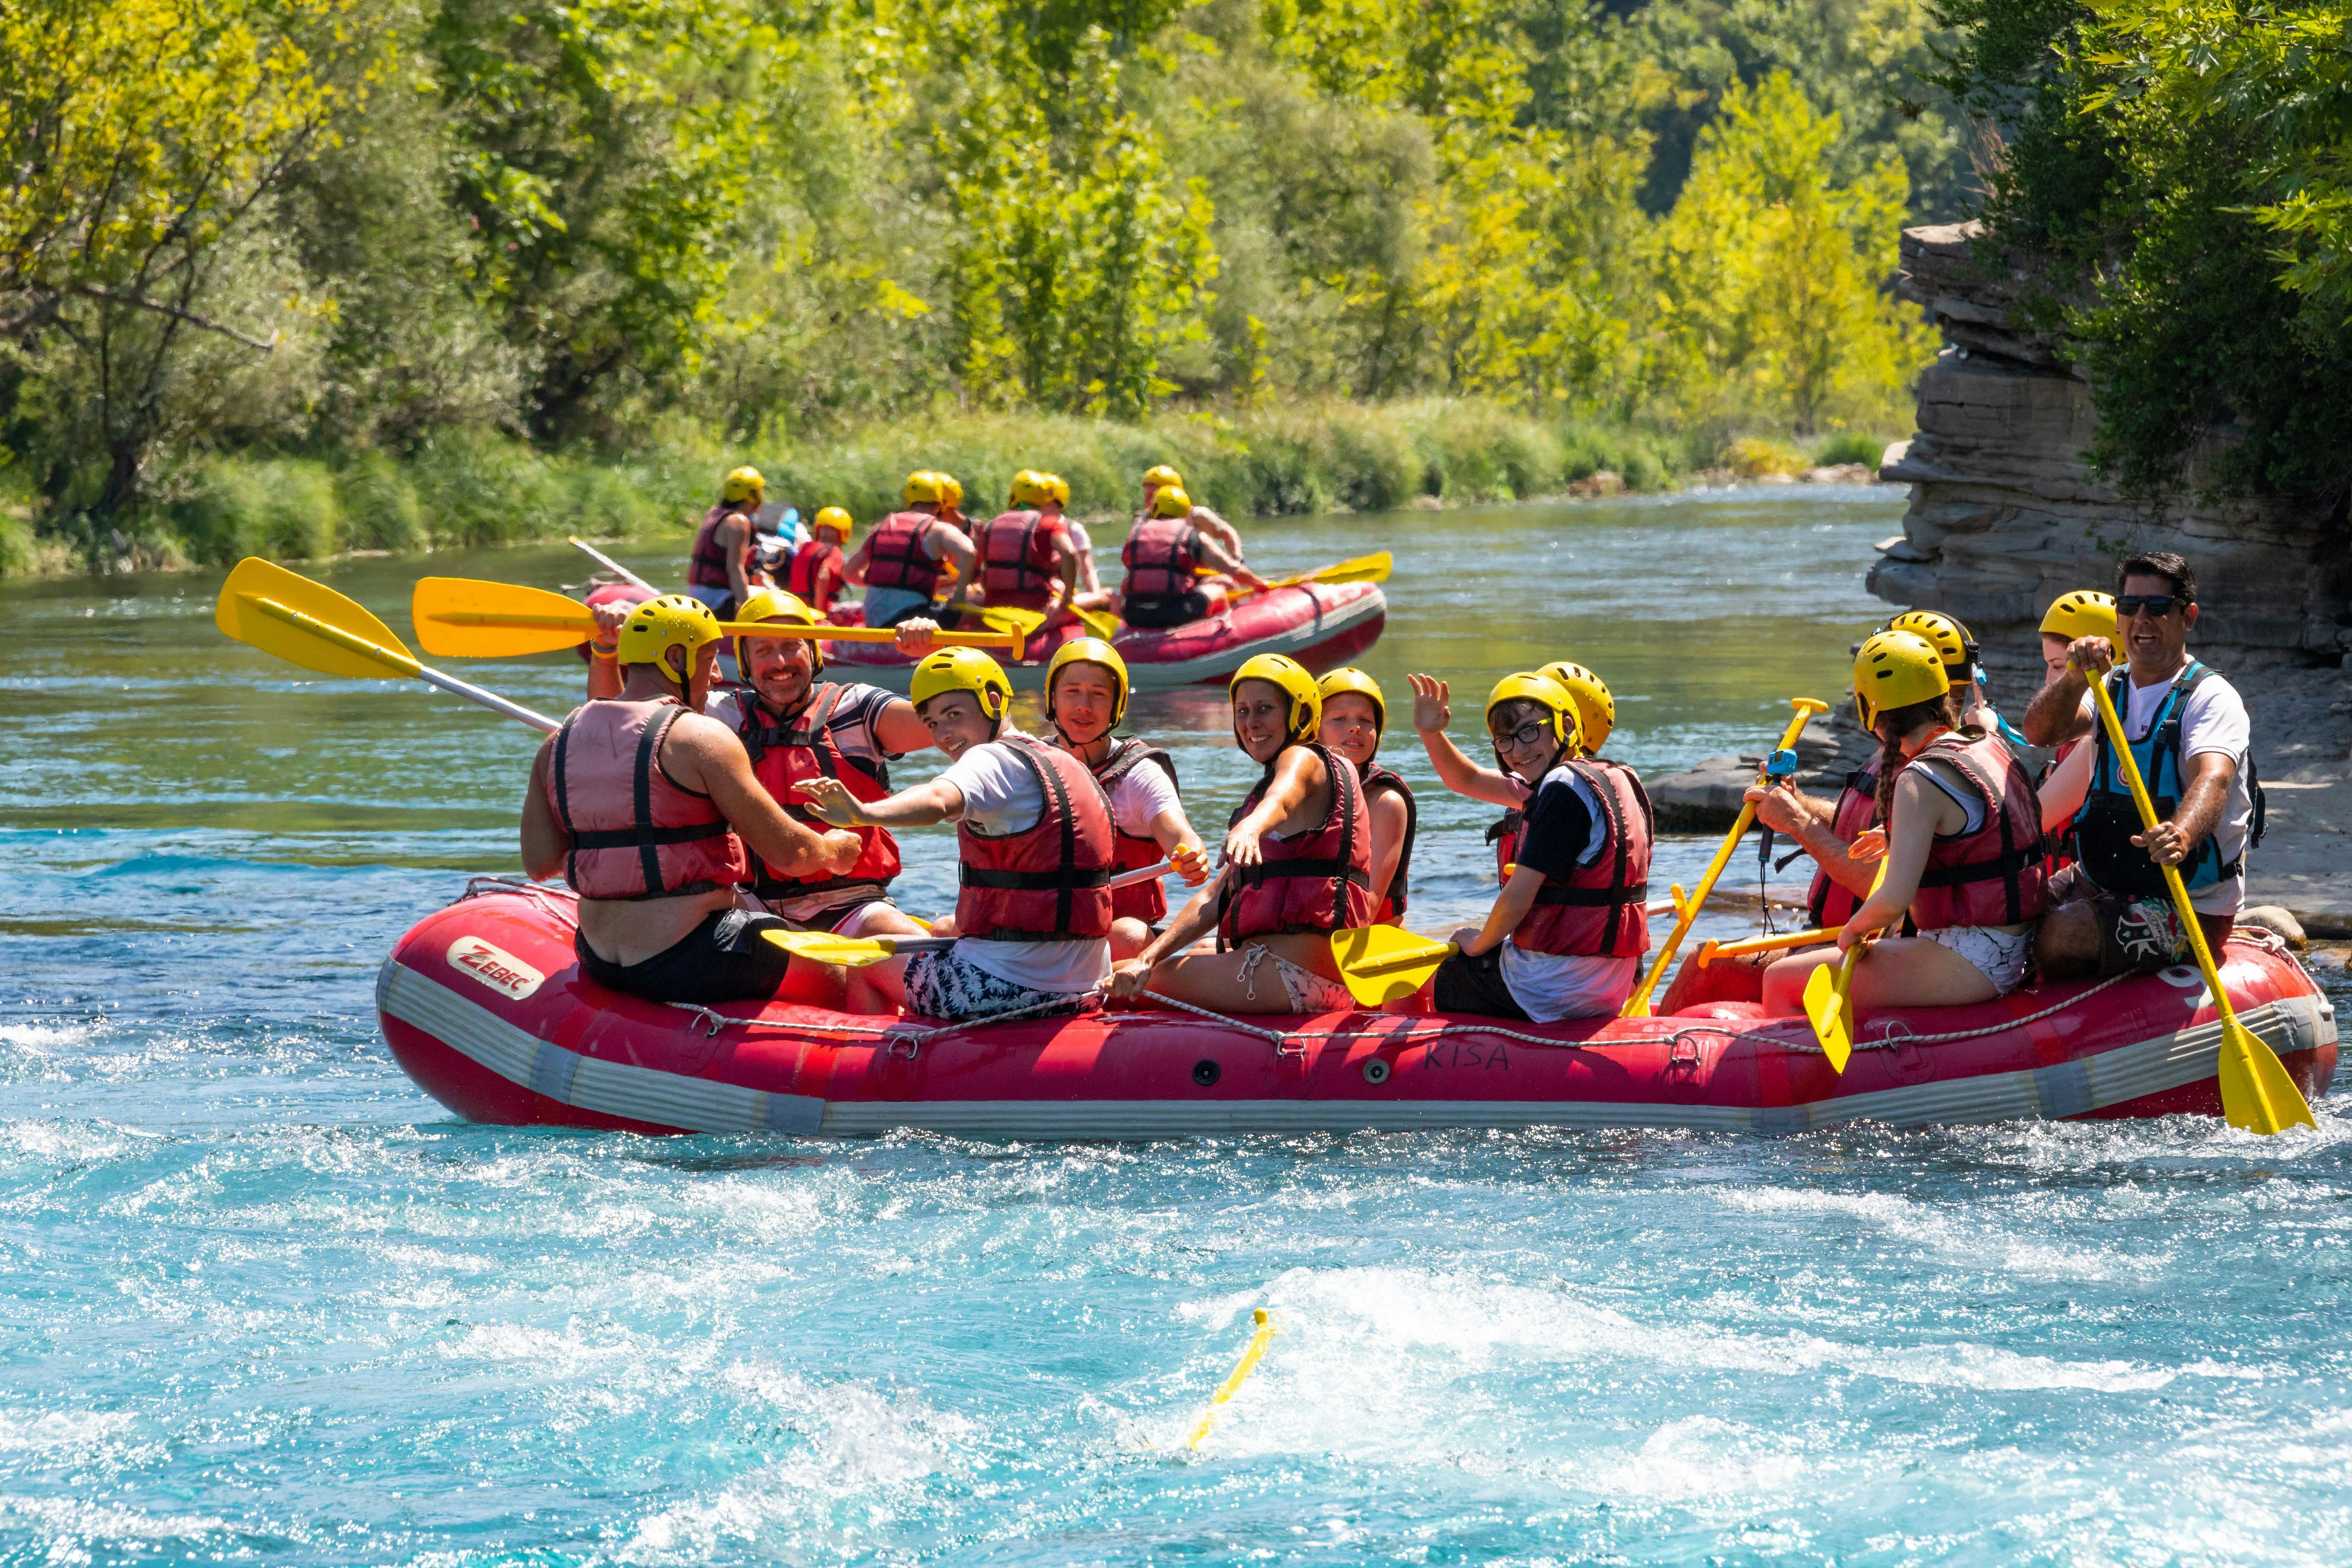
1280,1038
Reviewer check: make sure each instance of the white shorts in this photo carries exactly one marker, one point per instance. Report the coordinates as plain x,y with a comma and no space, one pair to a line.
1999,955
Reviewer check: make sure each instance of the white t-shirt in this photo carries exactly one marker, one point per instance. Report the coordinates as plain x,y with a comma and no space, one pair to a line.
2213,719
1090,581
1555,985
1142,794
1001,797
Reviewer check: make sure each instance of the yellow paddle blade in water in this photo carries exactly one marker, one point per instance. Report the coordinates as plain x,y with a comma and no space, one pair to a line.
264,605
1383,964
464,618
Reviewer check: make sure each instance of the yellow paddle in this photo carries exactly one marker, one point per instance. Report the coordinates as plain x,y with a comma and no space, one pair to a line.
1711,951
1637,1005
264,605
857,951
2257,1095
464,617
1828,1001
1372,568
1383,964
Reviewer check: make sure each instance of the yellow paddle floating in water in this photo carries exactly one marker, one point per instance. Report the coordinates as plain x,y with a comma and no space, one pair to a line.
464,618
1239,1375
264,605
2257,1093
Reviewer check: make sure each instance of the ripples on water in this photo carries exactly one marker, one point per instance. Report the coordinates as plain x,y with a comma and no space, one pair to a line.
265,1302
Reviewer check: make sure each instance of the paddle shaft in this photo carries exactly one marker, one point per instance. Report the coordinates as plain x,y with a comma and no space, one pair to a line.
1769,943
400,663
2232,1031
610,564
586,627
1638,1005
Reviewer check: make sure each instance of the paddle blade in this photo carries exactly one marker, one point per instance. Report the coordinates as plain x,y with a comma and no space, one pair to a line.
1825,1006
240,614
2257,1094
1384,964
824,947
1374,568
449,613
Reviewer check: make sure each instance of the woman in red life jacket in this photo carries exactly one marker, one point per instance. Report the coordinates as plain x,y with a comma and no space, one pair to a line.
795,727
1963,848
1298,866
815,575
1086,700
902,562
2066,781
651,812
1034,916
719,570
1566,933
1026,559
1166,556
1355,716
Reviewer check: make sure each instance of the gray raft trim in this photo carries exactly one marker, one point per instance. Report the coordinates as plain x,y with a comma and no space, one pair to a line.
702,1105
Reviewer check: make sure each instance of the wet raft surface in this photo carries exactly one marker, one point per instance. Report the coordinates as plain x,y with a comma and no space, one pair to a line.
264,1298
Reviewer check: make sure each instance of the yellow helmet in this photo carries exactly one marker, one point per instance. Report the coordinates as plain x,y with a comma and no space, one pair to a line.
1363,686
1028,487
1172,501
1090,651
835,518
742,484
1528,685
775,605
1596,711
656,627
2082,614
925,487
1942,633
962,670
1163,475
1055,488
1306,700
950,490
1896,670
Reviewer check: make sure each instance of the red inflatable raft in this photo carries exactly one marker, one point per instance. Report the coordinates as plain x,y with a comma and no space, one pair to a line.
1320,625
485,1008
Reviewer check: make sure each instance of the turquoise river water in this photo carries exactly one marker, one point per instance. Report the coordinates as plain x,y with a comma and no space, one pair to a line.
263,1301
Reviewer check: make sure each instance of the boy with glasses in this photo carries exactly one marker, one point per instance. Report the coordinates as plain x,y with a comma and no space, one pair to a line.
2189,733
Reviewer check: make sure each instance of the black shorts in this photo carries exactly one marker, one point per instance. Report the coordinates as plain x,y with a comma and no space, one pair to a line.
724,958
1475,985
1156,612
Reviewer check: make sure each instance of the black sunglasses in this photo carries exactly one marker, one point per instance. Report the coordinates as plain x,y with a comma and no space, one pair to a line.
1527,734
2157,605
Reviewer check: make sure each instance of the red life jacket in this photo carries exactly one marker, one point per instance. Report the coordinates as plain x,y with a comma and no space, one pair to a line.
1050,882
783,756
1993,876
634,833
706,568
1146,901
894,553
1603,907
1017,560
1163,557
1377,779
1315,881
810,569
1856,810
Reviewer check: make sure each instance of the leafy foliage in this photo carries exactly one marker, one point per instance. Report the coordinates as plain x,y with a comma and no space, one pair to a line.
630,224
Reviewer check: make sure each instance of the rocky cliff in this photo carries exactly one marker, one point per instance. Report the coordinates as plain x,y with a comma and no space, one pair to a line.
2005,515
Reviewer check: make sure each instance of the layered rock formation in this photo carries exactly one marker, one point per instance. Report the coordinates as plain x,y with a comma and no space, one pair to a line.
2005,515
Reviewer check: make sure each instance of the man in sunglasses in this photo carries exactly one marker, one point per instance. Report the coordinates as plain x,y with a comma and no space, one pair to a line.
2190,736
